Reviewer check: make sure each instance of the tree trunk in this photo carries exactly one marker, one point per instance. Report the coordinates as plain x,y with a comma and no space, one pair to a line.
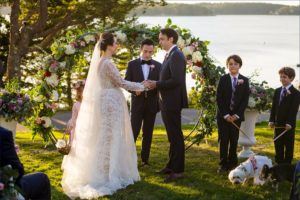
13,64
14,55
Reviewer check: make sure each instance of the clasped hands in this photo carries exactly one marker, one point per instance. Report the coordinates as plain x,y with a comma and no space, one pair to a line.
231,118
148,84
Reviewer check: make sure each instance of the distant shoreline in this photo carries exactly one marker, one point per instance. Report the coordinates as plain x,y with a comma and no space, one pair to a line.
214,9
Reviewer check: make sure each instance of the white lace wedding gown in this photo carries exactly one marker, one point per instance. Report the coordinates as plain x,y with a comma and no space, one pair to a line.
103,157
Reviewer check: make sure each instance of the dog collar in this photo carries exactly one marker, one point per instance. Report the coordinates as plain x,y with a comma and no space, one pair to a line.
253,162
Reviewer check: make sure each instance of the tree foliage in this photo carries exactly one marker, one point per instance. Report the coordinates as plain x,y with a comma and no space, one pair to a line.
34,24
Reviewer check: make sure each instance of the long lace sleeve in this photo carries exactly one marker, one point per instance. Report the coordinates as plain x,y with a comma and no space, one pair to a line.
114,74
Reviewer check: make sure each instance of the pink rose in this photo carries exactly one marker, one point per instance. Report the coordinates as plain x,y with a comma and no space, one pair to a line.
1,186
73,44
240,81
152,67
82,43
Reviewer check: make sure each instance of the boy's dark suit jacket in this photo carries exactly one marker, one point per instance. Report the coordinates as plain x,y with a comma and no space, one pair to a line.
35,185
8,155
135,73
171,84
241,97
286,112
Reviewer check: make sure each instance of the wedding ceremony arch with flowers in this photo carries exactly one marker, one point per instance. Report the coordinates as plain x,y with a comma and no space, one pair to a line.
49,89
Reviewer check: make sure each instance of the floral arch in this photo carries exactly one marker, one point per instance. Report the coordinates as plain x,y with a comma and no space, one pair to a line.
49,90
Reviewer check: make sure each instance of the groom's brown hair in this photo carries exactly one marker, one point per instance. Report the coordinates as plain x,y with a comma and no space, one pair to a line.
170,33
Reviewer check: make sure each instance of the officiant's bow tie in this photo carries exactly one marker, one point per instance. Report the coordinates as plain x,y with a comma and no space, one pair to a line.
148,62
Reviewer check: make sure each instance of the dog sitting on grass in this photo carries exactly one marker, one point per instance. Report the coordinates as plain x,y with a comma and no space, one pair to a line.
251,168
277,174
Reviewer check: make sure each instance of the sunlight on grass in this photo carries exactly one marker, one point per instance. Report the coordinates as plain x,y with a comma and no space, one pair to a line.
201,181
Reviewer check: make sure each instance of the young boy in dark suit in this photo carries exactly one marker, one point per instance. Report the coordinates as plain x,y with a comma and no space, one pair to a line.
232,100
284,111
35,186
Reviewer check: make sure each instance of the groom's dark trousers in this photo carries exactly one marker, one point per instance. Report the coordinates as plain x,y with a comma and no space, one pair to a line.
34,186
144,106
172,98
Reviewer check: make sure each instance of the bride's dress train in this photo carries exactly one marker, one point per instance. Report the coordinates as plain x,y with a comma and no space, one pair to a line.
103,157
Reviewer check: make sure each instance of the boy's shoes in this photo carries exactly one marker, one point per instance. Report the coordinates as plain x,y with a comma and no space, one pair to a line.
222,170
145,164
173,177
164,171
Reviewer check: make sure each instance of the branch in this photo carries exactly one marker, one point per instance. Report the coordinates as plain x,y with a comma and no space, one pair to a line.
49,38
62,24
42,20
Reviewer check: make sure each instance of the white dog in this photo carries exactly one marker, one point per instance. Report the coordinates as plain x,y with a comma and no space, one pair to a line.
251,168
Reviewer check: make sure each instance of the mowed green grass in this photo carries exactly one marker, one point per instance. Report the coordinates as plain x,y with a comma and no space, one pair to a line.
201,180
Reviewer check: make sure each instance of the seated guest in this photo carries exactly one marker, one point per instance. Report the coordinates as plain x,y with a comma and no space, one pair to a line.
295,192
34,186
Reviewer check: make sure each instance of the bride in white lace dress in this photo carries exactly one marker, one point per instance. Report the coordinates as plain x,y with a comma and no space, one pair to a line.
103,157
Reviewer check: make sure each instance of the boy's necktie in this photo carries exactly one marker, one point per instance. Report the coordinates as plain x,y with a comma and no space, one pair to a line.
282,95
233,90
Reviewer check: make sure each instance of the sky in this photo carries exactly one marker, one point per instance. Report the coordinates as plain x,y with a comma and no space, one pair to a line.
286,2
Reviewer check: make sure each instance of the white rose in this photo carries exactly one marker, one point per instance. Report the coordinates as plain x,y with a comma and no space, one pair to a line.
55,95
60,144
38,98
62,64
47,121
180,42
52,80
188,41
197,69
187,51
121,36
87,56
251,102
197,57
89,38
70,50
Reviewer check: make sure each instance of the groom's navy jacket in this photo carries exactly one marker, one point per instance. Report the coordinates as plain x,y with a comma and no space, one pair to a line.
171,84
134,73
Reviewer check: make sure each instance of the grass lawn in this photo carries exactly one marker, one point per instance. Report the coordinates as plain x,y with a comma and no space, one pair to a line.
201,182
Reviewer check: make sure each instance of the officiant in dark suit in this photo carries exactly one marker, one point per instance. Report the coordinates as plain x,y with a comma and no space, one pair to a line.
172,98
144,105
35,186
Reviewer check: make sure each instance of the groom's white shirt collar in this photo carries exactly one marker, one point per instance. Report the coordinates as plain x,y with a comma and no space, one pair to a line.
172,47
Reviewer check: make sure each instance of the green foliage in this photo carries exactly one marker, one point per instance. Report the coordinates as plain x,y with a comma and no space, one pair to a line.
4,38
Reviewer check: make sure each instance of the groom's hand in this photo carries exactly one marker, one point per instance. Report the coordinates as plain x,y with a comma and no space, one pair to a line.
150,84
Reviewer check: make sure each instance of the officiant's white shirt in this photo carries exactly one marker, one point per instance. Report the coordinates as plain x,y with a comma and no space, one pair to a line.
146,70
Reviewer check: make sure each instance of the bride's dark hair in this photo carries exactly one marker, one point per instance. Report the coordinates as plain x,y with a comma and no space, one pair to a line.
106,38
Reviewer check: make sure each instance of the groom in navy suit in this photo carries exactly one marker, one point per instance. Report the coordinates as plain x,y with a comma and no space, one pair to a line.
172,98
144,105
35,186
